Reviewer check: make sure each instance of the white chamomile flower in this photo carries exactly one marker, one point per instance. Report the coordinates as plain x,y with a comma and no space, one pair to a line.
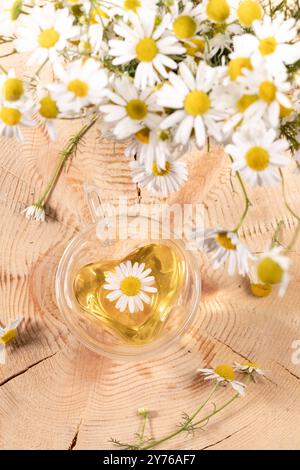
258,155
271,41
48,110
82,83
147,43
11,87
186,22
160,182
240,59
268,90
10,11
272,268
130,285
130,110
226,248
126,8
7,334
219,11
96,20
249,368
224,375
35,212
189,95
13,116
150,146
45,31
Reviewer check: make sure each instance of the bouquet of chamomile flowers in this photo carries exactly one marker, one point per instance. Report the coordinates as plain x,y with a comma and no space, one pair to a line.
165,76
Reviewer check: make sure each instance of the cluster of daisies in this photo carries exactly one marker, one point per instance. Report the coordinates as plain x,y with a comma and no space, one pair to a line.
165,76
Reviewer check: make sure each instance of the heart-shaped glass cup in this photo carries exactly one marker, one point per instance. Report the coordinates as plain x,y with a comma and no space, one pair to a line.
80,277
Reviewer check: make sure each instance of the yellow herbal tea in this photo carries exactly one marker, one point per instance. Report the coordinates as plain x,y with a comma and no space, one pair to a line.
141,327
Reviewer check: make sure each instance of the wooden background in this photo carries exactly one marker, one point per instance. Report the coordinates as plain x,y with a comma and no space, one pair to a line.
56,394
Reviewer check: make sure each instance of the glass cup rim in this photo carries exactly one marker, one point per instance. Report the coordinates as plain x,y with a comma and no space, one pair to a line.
121,352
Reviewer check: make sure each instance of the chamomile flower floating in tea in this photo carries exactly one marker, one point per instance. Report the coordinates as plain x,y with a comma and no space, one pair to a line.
45,33
272,268
227,248
130,286
224,375
160,181
133,298
258,156
8,334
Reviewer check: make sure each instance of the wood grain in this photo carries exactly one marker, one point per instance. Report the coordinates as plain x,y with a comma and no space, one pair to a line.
55,394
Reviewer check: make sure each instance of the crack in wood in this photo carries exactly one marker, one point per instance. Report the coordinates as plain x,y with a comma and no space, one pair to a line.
75,438
288,370
23,371
224,438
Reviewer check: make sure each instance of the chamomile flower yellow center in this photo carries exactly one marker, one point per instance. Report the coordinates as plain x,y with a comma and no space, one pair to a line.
249,11
224,241
217,10
160,172
184,27
269,271
236,66
245,101
267,45
8,336
257,158
16,10
132,5
195,45
130,286
10,116
143,135
226,371
136,109
146,49
48,109
260,290
267,91
13,89
285,112
48,38
196,103
78,87
254,365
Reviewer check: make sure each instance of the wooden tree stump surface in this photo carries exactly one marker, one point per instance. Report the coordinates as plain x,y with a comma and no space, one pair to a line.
56,394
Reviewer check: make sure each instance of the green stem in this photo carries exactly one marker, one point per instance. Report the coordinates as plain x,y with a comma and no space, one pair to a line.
3,69
142,432
64,156
217,410
247,201
275,240
184,427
